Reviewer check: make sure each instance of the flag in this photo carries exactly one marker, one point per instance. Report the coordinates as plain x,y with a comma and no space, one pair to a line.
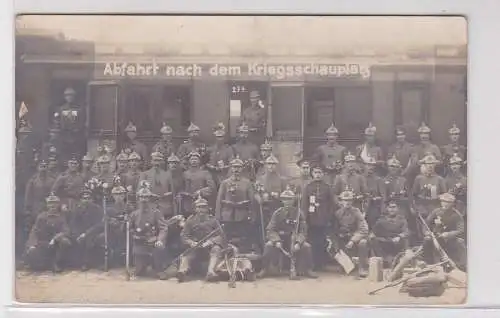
23,110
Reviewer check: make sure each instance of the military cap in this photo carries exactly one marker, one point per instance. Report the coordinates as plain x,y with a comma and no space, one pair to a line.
52,198
455,159
194,154
349,157
370,160
130,127
173,158
347,195
200,202
122,156
118,190
370,130
272,160
400,130
266,145
144,192
53,149
74,159
134,156
303,162
429,159
454,130
166,129
219,133
69,91
332,130
392,203
254,94
42,162
243,128
447,197
193,127
287,194
317,166
157,156
236,162
423,129
394,162
85,192
104,159
87,157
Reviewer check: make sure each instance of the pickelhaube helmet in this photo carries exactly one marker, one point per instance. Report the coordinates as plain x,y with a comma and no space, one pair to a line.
447,197
303,162
219,130
52,198
166,129
332,130
173,158
236,162
122,156
423,129
272,160
266,145
454,130
200,202
134,156
69,91
429,158
243,128
349,157
118,190
369,160
42,162
400,130
104,159
192,127
157,156
194,154
370,130
130,127
287,194
73,159
455,159
85,192
394,162
347,194
144,192
87,157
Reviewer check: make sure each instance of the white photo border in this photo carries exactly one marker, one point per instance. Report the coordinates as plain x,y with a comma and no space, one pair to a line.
483,94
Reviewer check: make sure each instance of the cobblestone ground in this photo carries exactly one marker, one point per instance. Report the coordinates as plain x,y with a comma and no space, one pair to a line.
111,288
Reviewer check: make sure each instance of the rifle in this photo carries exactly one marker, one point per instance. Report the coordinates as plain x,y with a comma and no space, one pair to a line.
230,270
405,279
293,259
259,189
106,246
127,250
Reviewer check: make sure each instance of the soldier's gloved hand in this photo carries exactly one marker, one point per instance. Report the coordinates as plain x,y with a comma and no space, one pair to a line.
396,239
158,244
296,247
349,245
80,238
277,244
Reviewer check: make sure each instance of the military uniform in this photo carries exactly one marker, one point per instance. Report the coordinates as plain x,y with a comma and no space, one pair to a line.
196,181
255,117
72,120
370,150
374,195
421,150
330,156
219,157
402,151
456,184
86,172
176,185
121,166
136,146
48,241
190,146
448,227
68,186
453,147
132,177
201,226
248,153
266,149
353,180
117,213
38,189
165,147
157,178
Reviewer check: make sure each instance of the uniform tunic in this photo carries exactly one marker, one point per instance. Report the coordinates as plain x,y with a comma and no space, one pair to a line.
350,223
86,219
457,185
218,162
68,186
166,149
37,189
426,191
387,228
370,150
197,180
255,118
450,149
355,181
375,202
148,227
249,153
403,152
175,185
331,158
158,180
139,148
72,130
191,146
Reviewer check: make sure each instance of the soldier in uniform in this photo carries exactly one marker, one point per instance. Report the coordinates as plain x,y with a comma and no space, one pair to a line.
350,231
69,184
454,147
105,175
133,174
447,224
166,145
193,144
331,155
121,166
375,193
352,179
390,235
72,125
87,163
287,230
233,207
304,178
456,183
157,178
424,147
149,231
176,183
197,182
201,226
255,117
116,211
402,151
317,202
133,145
53,144
53,164
38,188
370,149
220,155
85,222
247,152
266,150
48,243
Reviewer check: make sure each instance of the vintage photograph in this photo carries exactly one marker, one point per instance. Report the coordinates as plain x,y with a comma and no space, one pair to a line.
241,160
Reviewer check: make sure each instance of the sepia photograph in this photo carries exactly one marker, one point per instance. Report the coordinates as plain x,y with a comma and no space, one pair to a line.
237,159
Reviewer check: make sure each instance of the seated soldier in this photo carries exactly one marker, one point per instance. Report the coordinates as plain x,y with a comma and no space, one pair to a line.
48,241
447,225
202,233
350,231
287,229
390,233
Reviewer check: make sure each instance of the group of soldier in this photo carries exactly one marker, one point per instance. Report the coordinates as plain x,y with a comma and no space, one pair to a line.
227,209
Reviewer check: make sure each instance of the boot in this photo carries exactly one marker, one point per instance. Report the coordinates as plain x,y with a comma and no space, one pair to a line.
181,276
294,276
262,273
56,268
311,274
211,276
163,275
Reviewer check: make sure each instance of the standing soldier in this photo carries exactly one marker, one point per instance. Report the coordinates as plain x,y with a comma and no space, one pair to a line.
233,206
72,125
121,166
375,193
85,222
149,231
157,178
350,231
38,189
454,147
268,188
48,243
456,183
131,144
300,182
105,175
69,184
255,117
133,176
331,155
352,179
266,150
87,163
390,234
402,151
166,145
117,212
447,224
53,163
247,152
369,148
176,183
287,230
317,204
424,147
220,155
197,227
197,181
193,144
53,145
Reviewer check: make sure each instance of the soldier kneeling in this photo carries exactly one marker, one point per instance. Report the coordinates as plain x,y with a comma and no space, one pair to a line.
48,241
202,235
288,227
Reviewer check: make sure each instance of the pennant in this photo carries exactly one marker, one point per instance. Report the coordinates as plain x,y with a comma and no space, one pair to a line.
23,110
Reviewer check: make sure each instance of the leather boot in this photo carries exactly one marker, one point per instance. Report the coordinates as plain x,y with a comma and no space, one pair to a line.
311,274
